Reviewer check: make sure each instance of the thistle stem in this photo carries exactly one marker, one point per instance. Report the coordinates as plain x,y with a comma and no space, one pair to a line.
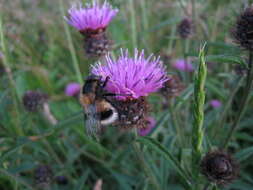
14,91
133,23
244,101
71,47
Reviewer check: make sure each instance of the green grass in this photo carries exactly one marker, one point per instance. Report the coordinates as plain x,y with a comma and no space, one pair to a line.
41,52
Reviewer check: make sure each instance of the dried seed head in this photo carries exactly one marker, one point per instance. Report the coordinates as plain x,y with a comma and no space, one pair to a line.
97,45
219,167
172,87
185,28
132,112
242,32
61,180
240,70
33,100
43,176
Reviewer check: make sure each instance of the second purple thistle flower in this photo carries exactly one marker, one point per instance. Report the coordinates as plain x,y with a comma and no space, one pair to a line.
92,21
133,78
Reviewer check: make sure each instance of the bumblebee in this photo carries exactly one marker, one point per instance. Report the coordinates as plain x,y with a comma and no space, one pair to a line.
98,111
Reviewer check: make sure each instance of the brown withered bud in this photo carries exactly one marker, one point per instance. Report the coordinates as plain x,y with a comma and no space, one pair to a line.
172,87
61,180
43,176
185,28
33,100
240,70
242,32
219,167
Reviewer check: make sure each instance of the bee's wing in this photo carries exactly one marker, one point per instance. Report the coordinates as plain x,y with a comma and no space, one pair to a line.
92,122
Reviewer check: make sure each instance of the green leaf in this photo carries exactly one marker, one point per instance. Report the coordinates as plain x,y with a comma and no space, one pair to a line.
81,182
244,154
225,59
154,145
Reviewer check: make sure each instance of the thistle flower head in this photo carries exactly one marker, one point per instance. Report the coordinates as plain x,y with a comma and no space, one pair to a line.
219,167
185,28
215,103
72,89
33,100
136,76
43,175
91,17
61,180
242,31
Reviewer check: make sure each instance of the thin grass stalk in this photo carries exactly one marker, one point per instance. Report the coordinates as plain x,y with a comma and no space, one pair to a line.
141,158
198,114
243,105
172,39
71,47
16,179
14,94
133,23
224,113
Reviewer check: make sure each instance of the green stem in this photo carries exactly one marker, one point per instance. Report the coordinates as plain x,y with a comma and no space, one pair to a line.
71,47
172,39
133,23
146,169
14,91
223,115
244,101
174,122
141,158
17,179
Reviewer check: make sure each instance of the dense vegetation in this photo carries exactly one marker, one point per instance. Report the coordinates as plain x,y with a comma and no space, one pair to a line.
40,51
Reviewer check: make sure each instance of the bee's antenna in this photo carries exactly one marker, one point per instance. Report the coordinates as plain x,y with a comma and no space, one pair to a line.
114,94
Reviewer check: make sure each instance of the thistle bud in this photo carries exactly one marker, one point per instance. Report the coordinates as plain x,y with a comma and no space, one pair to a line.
172,87
242,31
43,176
185,28
61,180
240,70
92,21
219,167
33,100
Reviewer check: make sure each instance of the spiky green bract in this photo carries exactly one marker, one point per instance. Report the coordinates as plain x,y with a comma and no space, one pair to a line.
198,111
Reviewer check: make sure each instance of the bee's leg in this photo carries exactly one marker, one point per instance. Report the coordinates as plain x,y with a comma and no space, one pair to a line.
106,81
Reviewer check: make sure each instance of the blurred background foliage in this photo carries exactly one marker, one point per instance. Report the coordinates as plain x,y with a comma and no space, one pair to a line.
36,46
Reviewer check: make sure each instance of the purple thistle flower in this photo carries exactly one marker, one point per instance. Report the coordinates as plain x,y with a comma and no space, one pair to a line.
72,89
182,65
91,17
215,103
136,76
145,131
